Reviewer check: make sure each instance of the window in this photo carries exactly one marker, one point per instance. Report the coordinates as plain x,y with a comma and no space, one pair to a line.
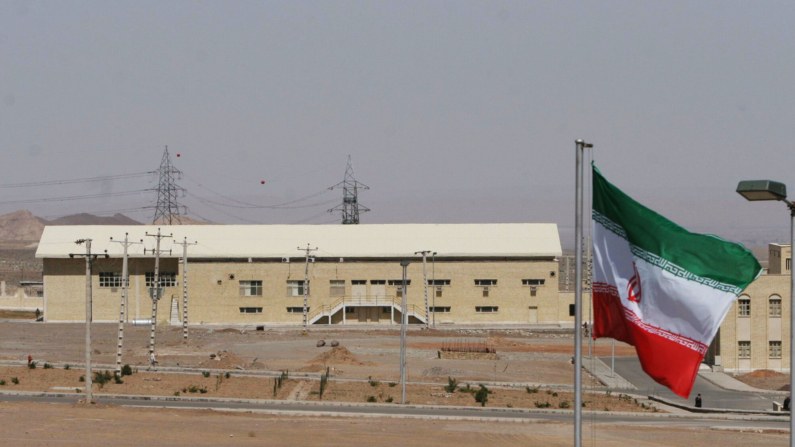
250,310
110,279
775,306
744,349
533,282
337,287
399,292
359,282
438,291
439,282
350,310
572,310
250,288
486,309
745,307
440,309
296,288
774,350
386,310
297,310
166,279
399,282
377,282
789,264
485,282
486,292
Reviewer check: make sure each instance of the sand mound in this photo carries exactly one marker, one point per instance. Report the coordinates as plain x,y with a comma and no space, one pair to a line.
338,355
784,388
313,368
763,374
228,360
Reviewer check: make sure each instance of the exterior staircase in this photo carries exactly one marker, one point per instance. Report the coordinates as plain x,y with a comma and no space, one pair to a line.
174,320
322,313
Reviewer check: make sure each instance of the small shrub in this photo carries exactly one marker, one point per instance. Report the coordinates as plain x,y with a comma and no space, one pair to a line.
550,391
101,378
47,366
389,400
2,383
206,374
117,379
452,384
608,393
126,370
531,390
554,394
370,398
193,389
583,404
467,389
203,390
510,406
67,367
176,393
15,381
607,409
32,365
392,384
373,383
184,390
542,405
228,375
82,379
563,404
482,396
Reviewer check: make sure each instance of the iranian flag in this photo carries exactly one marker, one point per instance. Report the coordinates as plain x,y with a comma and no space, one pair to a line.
659,287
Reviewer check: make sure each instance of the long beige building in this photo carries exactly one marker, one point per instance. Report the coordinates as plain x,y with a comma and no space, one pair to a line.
254,274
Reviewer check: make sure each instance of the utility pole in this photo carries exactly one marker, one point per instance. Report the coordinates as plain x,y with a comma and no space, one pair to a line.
168,208
425,277
306,280
433,262
89,259
125,282
155,292
403,322
185,244
350,208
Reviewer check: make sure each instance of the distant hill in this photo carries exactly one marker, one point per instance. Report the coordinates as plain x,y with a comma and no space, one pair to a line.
90,219
185,221
20,226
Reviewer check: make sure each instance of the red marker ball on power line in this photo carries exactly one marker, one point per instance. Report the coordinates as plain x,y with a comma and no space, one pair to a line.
178,155
263,182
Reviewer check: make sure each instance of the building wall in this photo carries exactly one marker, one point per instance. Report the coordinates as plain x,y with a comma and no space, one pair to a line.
215,298
760,328
779,259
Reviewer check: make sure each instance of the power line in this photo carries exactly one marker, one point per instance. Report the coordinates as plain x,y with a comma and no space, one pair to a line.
83,197
82,180
168,192
311,217
247,205
350,207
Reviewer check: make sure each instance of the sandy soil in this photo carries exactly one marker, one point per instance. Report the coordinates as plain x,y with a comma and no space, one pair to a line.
765,379
81,425
236,386
532,359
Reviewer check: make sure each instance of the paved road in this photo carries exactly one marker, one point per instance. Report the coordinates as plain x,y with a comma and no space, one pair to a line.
398,410
713,396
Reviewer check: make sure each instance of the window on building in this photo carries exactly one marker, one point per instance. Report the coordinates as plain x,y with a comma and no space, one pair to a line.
486,309
297,310
251,288
572,310
438,291
398,282
376,282
775,306
166,279
485,282
399,292
440,309
745,307
789,264
350,310
296,288
774,350
438,282
337,287
109,279
250,310
744,349
386,310
533,282
359,282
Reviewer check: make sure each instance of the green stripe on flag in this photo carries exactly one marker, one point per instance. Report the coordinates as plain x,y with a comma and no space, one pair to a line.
702,256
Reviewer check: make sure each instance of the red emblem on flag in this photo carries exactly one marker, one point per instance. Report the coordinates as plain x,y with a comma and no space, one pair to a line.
633,287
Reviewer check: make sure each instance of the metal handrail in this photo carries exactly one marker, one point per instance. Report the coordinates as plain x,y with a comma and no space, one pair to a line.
368,299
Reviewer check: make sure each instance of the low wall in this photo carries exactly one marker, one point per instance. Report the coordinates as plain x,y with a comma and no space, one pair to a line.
20,301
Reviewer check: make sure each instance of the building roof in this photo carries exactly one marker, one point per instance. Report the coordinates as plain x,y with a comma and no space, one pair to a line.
281,241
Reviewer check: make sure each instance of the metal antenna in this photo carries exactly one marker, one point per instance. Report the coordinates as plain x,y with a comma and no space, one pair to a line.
168,192
350,207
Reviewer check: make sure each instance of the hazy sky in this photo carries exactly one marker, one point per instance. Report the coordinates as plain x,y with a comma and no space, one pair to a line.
453,111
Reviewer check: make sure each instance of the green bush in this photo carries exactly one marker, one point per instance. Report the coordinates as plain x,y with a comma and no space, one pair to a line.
184,390
370,398
2,383
126,370
206,374
47,366
227,375
193,389
203,390
392,384
467,389
563,404
452,384
531,390
542,405
101,378
482,396
15,381
373,383
117,379
554,394
82,379
176,393
32,365
389,400
67,367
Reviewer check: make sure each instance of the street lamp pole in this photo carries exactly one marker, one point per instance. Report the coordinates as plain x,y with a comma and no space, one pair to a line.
433,275
403,322
762,190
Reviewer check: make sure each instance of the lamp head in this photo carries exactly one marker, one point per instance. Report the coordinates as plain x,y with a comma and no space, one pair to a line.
405,263
756,190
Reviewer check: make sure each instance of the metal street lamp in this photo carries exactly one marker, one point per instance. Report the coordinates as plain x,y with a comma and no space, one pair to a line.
403,323
758,190
433,275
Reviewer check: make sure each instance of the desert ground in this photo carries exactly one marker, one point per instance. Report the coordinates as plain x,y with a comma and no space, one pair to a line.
34,424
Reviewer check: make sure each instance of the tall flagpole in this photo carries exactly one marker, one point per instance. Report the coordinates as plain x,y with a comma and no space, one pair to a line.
578,229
